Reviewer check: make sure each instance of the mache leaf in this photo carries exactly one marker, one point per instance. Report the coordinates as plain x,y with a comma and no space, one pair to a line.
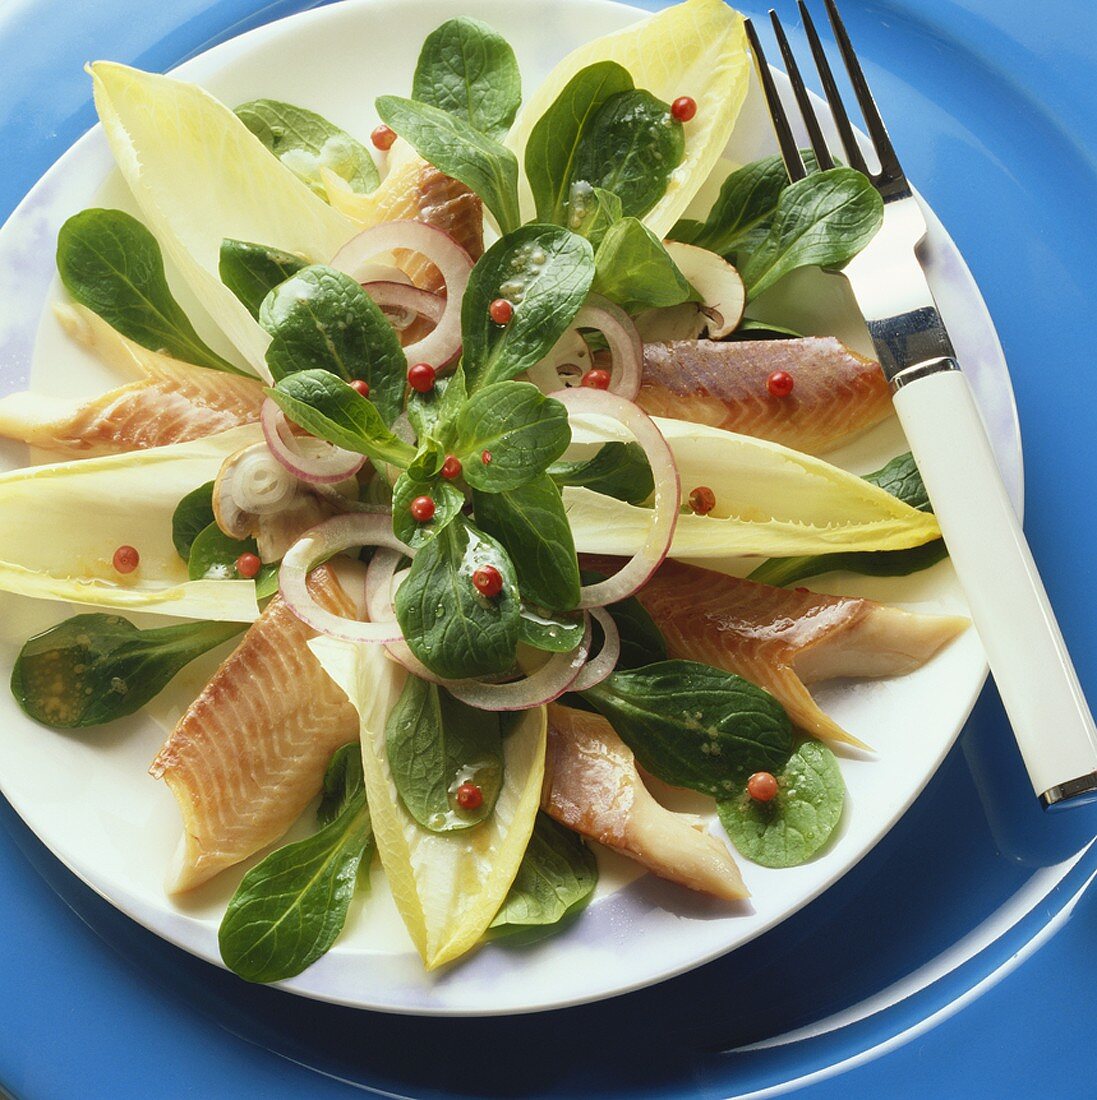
468,69
110,263
305,142
435,743
799,821
92,669
252,271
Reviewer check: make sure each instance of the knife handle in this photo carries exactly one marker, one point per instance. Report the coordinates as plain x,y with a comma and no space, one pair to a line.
1008,602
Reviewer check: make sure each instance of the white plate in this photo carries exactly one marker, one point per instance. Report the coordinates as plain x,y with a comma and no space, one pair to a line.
87,794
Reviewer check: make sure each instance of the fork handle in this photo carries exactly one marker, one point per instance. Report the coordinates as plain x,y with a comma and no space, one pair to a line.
1009,605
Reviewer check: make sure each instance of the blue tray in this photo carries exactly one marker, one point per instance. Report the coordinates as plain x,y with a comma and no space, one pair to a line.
888,984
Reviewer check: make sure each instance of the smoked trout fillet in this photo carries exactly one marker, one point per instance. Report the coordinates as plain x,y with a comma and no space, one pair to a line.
836,393
171,402
783,639
593,787
250,752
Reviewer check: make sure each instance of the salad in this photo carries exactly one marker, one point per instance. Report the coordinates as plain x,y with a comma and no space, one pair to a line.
493,481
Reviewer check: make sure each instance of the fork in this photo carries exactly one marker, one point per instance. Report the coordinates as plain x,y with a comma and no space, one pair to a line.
1009,605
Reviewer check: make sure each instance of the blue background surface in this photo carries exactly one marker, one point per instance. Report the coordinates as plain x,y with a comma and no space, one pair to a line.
991,106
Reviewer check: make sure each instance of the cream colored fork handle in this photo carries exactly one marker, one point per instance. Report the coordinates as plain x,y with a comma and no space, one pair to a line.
1010,608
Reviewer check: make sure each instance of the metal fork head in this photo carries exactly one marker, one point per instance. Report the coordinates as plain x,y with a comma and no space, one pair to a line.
890,180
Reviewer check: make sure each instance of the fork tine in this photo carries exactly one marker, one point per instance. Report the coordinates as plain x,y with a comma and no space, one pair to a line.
803,100
790,152
889,162
854,157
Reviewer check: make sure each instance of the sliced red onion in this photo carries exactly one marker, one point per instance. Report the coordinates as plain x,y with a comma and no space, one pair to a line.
322,542
598,668
410,301
635,573
443,343
326,466
625,347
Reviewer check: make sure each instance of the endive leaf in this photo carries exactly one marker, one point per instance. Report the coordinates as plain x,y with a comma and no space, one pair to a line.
60,525
770,500
697,48
200,176
447,886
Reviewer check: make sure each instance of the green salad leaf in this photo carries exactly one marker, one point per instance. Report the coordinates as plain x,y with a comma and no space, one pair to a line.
290,908
325,406
92,669
468,69
252,271
305,142
321,319
435,743
619,470
448,502
642,642
550,631
434,413
554,141
343,782
447,624
531,523
823,220
555,879
630,146
213,557
695,726
507,433
192,515
592,211
546,272
456,147
798,822
899,477
633,269
741,215
111,264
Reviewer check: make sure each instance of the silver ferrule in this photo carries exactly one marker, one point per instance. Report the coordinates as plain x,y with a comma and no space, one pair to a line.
922,370
1073,792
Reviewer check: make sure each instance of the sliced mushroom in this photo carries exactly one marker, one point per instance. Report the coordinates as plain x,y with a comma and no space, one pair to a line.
722,292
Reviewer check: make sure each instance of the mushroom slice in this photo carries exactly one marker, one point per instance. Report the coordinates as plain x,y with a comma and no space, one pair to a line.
251,483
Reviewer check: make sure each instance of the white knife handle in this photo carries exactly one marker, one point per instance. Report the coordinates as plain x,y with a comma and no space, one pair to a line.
1010,608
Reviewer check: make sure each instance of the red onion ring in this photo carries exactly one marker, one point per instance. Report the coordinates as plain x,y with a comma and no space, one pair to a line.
635,573
443,343
332,465
321,542
598,668
410,300
625,347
